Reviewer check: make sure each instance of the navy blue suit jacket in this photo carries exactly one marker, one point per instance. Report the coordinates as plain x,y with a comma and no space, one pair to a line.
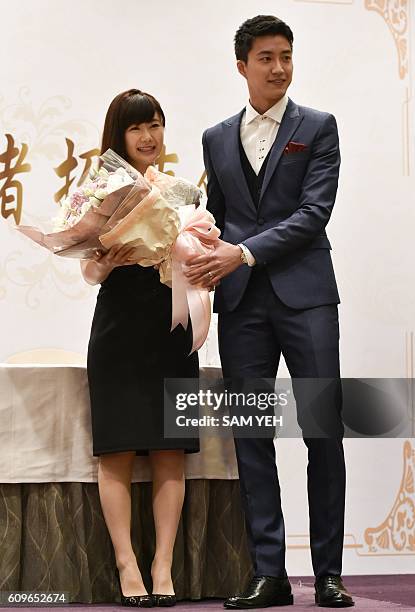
287,231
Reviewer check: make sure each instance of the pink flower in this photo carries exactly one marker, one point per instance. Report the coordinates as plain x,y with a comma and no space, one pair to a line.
77,199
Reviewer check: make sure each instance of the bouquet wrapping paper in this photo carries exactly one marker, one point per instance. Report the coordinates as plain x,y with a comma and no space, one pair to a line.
158,215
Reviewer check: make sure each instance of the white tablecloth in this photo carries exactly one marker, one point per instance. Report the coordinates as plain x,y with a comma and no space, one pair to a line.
45,430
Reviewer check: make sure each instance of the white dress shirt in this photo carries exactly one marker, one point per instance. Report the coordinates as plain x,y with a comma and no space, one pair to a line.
258,133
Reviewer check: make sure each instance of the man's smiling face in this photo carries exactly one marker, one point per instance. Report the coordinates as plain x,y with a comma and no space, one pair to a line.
268,70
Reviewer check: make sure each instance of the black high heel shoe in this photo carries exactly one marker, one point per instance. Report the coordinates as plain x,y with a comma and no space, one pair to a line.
135,601
164,601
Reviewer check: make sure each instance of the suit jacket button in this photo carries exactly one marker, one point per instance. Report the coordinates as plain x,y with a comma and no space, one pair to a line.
261,221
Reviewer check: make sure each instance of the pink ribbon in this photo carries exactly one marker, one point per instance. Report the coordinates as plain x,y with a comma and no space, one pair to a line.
197,236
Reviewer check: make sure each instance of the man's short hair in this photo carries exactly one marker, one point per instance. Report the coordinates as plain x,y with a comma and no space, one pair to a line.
261,25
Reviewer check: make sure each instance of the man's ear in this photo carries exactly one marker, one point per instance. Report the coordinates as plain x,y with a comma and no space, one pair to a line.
241,65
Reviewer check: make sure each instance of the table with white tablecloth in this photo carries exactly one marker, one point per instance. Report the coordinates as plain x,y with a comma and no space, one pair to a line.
53,536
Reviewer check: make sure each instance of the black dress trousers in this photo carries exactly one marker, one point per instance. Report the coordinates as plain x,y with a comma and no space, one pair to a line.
251,340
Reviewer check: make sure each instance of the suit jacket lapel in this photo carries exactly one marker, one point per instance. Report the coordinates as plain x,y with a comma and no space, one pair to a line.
290,122
231,130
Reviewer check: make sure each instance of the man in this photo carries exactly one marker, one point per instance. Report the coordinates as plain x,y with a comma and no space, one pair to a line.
272,179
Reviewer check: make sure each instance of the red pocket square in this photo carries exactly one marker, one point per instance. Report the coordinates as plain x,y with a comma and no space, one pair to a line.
294,147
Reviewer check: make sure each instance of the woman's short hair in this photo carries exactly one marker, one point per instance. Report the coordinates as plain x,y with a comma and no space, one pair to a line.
129,107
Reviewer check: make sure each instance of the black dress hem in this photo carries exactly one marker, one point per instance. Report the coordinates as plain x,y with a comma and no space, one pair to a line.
142,451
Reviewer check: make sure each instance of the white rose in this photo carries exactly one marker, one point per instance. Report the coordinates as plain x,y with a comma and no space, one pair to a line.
116,181
85,207
93,202
101,194
102,172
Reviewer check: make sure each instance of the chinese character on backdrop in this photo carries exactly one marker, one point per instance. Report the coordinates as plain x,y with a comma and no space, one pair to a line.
166,158
11,203
203,181
65,168
88,157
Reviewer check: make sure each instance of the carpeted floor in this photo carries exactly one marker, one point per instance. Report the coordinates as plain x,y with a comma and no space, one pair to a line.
371,593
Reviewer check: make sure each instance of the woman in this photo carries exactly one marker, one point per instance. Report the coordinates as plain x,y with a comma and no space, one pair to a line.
131,351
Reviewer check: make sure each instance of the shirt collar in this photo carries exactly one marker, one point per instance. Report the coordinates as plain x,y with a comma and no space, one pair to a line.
276,112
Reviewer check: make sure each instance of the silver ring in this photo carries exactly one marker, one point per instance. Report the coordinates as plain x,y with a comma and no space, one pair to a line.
210,274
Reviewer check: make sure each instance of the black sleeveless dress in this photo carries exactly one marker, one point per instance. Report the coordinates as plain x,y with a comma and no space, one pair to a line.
131,350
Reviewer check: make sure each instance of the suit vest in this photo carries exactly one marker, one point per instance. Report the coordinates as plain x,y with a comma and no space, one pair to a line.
254,181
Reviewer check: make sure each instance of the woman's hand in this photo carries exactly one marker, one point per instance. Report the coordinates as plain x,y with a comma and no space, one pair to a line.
118,255
96,269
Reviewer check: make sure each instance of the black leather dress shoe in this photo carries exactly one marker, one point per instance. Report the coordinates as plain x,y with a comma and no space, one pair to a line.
262,592
331,593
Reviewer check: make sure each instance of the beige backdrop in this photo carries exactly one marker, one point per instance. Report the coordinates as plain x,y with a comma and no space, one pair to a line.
60,69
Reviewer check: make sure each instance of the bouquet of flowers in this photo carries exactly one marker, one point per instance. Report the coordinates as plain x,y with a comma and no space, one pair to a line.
118,205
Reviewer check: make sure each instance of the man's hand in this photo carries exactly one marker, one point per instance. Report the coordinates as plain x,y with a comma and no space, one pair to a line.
207,270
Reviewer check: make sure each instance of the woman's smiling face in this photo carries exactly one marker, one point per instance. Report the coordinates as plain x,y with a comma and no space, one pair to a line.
144,142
